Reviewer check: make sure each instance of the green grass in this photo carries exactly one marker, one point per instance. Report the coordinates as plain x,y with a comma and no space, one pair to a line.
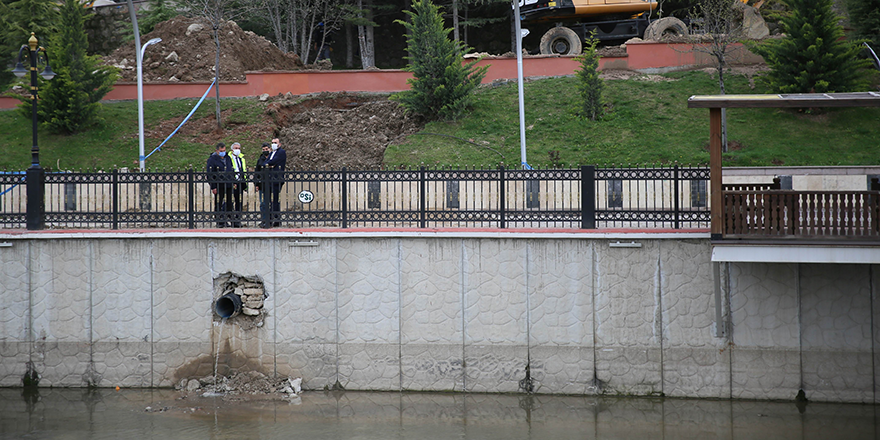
646,123
113,142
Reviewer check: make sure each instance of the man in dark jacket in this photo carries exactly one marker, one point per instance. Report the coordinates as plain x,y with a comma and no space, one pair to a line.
276,164
219,169
260,178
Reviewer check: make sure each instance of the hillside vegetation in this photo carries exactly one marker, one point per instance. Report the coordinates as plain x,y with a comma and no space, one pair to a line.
646,122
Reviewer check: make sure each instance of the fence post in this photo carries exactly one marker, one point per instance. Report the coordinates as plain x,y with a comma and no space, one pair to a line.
114,199
265,196
423,214
588,197
344,197
35,181
677,196
191,203
502,198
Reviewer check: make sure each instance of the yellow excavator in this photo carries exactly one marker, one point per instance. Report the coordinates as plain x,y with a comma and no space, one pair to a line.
610,21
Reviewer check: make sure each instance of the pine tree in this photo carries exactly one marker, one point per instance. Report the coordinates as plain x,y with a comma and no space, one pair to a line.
159,11
18,19
812,57
589,84
864,15
70,102
441,85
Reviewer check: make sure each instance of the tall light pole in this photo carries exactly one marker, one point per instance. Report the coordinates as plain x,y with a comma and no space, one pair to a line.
140,73
520,33
35,175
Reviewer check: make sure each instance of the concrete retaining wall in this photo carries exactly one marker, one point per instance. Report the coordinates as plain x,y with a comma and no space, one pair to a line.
464,311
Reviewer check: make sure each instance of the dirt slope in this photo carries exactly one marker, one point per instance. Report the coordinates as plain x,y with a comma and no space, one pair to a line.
187,53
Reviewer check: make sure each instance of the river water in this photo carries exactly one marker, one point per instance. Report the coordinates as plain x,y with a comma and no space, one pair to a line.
167,415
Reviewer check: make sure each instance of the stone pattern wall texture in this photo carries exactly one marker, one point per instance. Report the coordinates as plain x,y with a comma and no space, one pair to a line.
493,314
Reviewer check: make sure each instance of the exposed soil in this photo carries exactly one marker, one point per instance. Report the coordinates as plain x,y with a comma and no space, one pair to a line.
329,130
187,53
336,130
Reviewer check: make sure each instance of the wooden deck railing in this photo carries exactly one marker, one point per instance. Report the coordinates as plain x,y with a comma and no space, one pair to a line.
801,214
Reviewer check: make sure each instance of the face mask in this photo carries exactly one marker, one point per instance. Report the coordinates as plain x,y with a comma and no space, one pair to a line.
221,153
236,152
274,147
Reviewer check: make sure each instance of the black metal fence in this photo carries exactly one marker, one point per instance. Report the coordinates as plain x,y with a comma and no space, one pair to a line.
587,197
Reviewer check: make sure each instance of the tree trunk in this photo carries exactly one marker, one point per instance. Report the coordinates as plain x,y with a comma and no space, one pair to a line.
512,33
455,35
365,39
465,30
721,63
349,46
274,12
217,75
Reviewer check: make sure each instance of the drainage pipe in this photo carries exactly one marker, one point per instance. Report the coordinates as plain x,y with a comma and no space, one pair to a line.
228,305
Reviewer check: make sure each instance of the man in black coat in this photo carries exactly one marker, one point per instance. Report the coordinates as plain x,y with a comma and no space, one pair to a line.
219,169
276,163
260,176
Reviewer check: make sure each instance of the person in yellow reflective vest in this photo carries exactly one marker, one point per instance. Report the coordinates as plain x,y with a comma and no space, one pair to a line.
239,184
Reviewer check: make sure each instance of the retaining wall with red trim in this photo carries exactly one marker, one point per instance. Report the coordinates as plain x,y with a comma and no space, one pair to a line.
649,57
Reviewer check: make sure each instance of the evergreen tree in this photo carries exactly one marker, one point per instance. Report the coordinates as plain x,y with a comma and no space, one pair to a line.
864,15
18,18
158,12
589,84
70,102
441,83
812,57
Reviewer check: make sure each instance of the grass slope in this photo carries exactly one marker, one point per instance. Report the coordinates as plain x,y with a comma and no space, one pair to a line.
647,122
113,142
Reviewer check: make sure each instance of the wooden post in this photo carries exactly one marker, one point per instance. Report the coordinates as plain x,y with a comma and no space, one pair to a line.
715,170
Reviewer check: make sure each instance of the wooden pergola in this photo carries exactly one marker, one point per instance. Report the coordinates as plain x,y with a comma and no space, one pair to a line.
774,209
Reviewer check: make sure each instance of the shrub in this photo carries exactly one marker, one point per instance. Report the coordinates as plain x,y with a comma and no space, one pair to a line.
589,84
442,84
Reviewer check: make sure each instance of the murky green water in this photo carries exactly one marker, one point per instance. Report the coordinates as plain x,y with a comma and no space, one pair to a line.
165,415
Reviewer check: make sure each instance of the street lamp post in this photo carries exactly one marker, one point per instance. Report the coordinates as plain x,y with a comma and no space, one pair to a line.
35,175
140,75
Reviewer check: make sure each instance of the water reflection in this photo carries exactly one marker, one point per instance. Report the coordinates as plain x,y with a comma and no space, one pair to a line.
165,414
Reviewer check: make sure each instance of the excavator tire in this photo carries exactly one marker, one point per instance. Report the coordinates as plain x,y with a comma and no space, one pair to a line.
561,40
666,26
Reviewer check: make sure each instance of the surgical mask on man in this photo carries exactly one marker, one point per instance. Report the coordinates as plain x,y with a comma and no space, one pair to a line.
236,152
221,153
274,147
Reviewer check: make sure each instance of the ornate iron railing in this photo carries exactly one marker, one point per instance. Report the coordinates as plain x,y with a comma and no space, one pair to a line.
585,197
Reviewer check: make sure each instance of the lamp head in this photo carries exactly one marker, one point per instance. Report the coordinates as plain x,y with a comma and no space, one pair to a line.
47,73
19,70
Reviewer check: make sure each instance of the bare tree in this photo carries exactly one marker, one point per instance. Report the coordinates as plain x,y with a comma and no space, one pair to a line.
295,23
720,26
275,12
217,13
365,26
461,21
362,15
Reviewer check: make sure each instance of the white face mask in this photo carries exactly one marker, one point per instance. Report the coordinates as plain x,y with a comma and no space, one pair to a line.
274,147
236,152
